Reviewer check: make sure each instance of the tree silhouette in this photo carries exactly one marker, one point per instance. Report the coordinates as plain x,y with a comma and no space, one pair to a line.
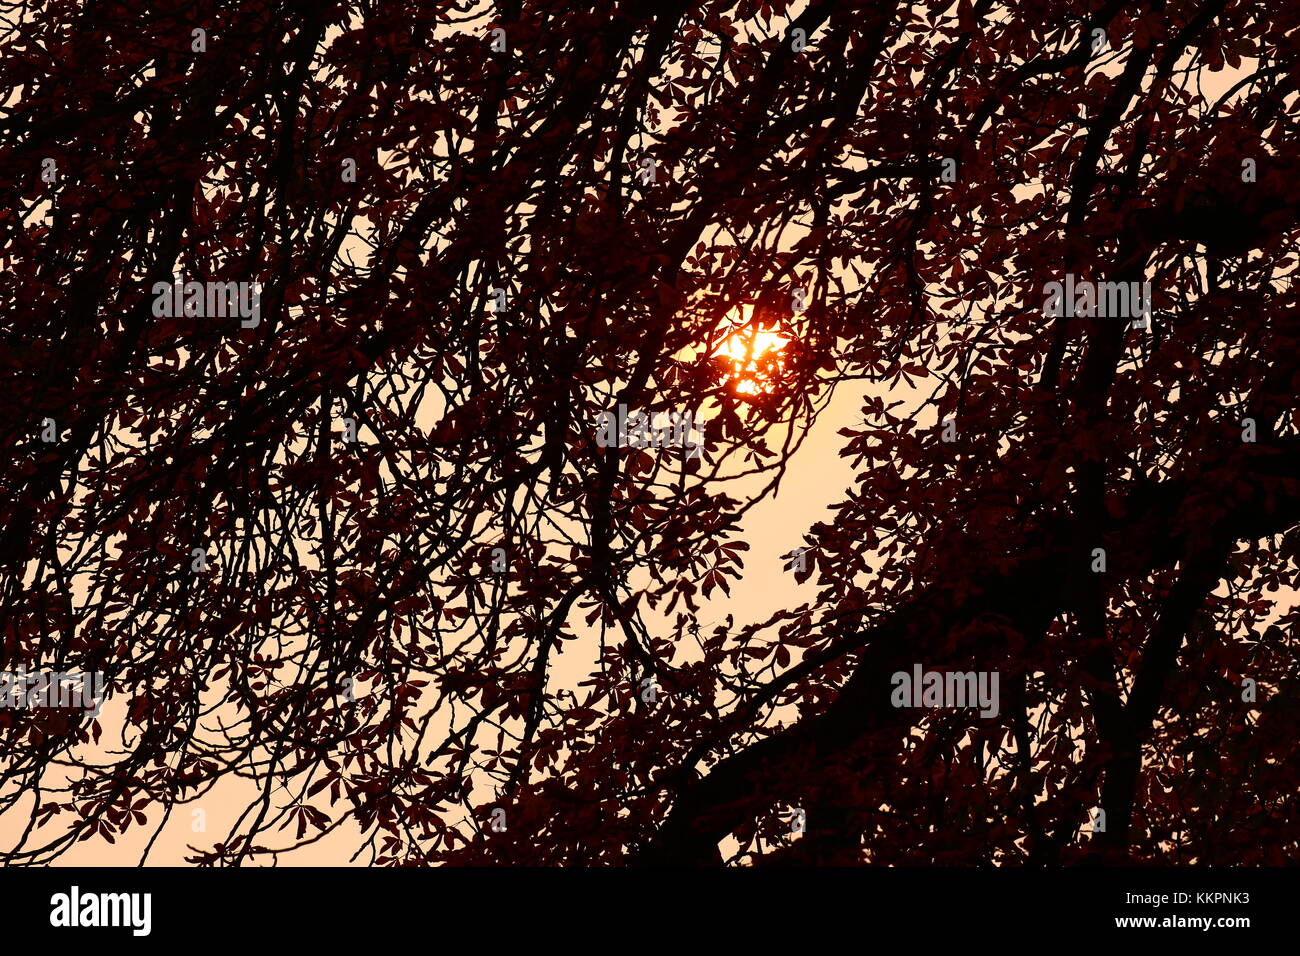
332,553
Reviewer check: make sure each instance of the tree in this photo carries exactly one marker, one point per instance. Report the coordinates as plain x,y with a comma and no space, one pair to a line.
328,530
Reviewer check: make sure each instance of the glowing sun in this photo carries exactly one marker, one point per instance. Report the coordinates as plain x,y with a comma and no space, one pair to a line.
753,353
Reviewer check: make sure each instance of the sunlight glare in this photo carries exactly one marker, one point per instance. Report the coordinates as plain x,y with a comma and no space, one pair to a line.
749,350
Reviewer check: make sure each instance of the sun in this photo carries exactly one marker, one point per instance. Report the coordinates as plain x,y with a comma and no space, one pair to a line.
753,353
